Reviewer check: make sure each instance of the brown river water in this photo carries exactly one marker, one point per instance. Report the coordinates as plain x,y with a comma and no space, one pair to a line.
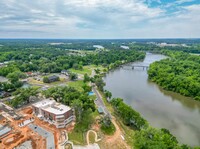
162,109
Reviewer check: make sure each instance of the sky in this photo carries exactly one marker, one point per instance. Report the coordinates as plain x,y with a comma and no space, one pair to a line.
99,19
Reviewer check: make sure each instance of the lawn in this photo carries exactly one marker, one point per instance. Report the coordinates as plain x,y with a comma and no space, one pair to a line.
86,69
77,136
93,97
91,137
76,84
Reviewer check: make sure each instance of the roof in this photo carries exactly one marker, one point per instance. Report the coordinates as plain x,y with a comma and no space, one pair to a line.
52,107
100,110
43,103
4,130
53,77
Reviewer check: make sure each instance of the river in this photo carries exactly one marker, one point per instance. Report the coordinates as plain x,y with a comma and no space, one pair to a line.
162,109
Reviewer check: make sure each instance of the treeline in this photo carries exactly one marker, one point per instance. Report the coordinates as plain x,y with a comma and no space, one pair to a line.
145,137
53,61
129,116
180,73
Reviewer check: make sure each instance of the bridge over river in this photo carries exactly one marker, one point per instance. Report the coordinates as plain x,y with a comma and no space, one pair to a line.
144,67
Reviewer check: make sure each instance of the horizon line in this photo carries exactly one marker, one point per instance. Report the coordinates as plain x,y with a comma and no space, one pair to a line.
98,38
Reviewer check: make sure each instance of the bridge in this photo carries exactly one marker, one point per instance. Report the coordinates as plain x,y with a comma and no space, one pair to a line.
139,66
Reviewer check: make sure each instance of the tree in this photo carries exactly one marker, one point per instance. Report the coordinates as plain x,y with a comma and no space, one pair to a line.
14,76
108,94
86,78
86,88
78,106
97,71
99,83
73,76
154,138
46,80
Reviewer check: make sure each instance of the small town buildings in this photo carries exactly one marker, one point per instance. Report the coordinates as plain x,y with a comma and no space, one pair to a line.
55,113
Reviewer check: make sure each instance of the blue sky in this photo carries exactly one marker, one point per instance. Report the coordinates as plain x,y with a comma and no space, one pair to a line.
99,19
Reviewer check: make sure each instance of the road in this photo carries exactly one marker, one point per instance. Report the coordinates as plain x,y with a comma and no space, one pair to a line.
99,101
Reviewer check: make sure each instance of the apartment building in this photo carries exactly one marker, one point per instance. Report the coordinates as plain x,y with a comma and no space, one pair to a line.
55,113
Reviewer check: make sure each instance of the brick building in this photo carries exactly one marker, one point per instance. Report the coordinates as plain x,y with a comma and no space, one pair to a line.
54,113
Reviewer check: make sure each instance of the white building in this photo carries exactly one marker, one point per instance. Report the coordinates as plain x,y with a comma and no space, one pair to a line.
54,113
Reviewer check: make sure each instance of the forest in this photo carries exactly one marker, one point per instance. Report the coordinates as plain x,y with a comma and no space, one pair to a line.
178,73
55,60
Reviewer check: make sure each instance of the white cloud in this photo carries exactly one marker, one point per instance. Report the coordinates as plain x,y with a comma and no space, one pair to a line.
95,19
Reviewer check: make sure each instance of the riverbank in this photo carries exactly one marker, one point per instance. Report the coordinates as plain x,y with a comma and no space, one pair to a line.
162,109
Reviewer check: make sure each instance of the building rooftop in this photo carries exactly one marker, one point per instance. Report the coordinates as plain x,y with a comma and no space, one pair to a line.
52,106
53,77
4,130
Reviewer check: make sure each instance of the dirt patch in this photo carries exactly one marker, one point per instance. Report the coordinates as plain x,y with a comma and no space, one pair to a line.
115,141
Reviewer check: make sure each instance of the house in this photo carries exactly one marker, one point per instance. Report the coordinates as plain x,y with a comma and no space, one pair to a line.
29,74
65,72
53,78
55,113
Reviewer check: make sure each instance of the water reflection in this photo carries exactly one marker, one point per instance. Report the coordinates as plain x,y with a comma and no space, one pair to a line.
161,108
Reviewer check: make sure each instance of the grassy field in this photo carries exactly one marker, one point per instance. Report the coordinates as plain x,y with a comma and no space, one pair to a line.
86,69
76,84
77,136
91,137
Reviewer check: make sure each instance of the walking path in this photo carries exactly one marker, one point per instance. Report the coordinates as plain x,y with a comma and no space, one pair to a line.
88,139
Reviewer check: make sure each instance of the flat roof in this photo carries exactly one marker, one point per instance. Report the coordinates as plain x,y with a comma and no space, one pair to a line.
4,130
100,109
43,103
52,106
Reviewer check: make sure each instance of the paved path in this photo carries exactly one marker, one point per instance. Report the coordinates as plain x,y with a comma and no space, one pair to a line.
87,136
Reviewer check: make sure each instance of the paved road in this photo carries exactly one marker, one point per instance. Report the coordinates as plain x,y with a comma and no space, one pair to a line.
99,101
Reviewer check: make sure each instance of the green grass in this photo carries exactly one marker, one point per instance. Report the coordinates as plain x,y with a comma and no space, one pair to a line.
91,137
108,130
86,69
76,84
93,97
77,136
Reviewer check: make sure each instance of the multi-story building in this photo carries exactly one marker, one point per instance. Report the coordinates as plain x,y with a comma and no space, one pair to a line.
54,113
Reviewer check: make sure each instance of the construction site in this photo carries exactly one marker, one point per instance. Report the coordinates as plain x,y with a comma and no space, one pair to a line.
21,129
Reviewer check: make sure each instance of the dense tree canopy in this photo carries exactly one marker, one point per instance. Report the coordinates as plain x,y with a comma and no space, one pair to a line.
179,73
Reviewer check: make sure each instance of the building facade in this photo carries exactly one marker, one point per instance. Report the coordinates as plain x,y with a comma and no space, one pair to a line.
54,113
